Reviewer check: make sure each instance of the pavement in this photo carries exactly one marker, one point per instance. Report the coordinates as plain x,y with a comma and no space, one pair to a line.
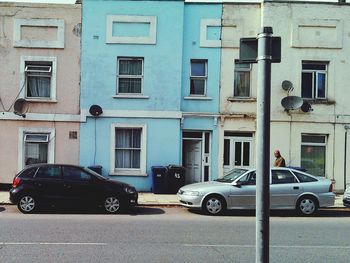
151,199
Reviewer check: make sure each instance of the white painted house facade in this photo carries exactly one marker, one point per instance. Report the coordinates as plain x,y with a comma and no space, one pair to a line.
315,63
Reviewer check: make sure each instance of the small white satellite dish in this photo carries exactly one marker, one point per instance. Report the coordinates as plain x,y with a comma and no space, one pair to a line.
20,107
292,102
287,85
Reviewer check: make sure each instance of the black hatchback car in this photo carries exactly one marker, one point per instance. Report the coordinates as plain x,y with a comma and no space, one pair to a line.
40,184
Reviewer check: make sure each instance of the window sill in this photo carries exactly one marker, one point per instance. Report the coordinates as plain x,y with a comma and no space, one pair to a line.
198,98
237,99
127,173
41,100
318,101
129,96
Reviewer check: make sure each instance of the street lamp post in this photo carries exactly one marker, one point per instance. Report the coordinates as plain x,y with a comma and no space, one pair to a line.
263,145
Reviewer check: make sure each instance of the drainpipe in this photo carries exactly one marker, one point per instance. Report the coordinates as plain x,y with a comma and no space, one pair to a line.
346,127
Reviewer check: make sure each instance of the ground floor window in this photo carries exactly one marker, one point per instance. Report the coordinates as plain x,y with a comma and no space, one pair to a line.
36,145
313,153
129,149
36,148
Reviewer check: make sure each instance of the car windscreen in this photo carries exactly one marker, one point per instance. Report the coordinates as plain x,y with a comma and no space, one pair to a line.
94,173
232,175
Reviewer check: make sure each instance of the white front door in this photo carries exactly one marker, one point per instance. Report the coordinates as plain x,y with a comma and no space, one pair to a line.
237,153
192,160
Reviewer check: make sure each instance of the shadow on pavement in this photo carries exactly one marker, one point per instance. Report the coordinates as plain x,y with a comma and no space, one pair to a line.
135,211
324,212
2,209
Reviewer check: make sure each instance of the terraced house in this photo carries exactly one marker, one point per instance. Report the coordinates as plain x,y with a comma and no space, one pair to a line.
314,66
152,68
39,87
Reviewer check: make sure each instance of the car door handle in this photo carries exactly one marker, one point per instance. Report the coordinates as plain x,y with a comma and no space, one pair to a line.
296,187
67,186
38,184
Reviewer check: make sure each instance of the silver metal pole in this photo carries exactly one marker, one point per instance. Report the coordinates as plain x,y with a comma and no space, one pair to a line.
263,146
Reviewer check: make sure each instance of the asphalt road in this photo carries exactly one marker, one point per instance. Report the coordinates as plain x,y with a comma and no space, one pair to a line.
157,234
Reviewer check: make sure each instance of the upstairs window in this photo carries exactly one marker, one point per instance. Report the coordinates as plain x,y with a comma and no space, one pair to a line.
314,80
38,76
130,76
242,80
198,77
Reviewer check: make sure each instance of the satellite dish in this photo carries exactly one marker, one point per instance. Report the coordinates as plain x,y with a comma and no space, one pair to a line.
306,107
287,85
292,102
95,110
20,107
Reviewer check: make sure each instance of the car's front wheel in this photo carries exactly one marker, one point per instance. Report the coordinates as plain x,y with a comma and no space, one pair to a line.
214,205
112,204
307,205
27,204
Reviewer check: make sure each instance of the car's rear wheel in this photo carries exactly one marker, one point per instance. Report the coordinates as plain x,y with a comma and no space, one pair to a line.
307,205
112,204
27,204
214,205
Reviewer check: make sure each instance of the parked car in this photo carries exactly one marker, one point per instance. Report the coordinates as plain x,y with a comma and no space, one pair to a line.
346,197
289,189
40,184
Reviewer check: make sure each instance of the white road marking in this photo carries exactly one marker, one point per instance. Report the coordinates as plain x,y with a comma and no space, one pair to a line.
53,243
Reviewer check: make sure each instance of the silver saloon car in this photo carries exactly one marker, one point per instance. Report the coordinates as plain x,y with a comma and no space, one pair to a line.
289,189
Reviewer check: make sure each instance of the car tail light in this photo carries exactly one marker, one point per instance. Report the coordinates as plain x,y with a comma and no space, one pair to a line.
330,189
16,182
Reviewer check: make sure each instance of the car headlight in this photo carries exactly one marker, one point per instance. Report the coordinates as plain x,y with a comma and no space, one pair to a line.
130,190
192,193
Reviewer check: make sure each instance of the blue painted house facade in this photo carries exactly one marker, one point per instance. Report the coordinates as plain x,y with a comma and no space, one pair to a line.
153,68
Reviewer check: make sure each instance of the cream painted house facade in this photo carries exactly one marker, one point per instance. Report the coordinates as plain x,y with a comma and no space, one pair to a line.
316,64
40,74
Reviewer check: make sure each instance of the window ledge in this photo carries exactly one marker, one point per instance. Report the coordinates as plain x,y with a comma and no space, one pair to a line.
129,96
197,98
127,173
237,99
41,100
318,101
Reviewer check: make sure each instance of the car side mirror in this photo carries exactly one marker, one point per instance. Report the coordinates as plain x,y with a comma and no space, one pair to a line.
237,184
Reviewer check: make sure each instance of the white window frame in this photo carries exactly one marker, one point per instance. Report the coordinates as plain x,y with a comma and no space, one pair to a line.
131,171
130,76
53,81
232,140
21,144
315,72
250,79
205,77
324,144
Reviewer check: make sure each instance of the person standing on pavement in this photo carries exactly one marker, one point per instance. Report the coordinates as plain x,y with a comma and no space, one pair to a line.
279,162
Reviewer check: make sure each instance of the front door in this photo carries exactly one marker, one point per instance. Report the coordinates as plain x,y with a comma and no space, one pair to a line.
237,152
192,160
